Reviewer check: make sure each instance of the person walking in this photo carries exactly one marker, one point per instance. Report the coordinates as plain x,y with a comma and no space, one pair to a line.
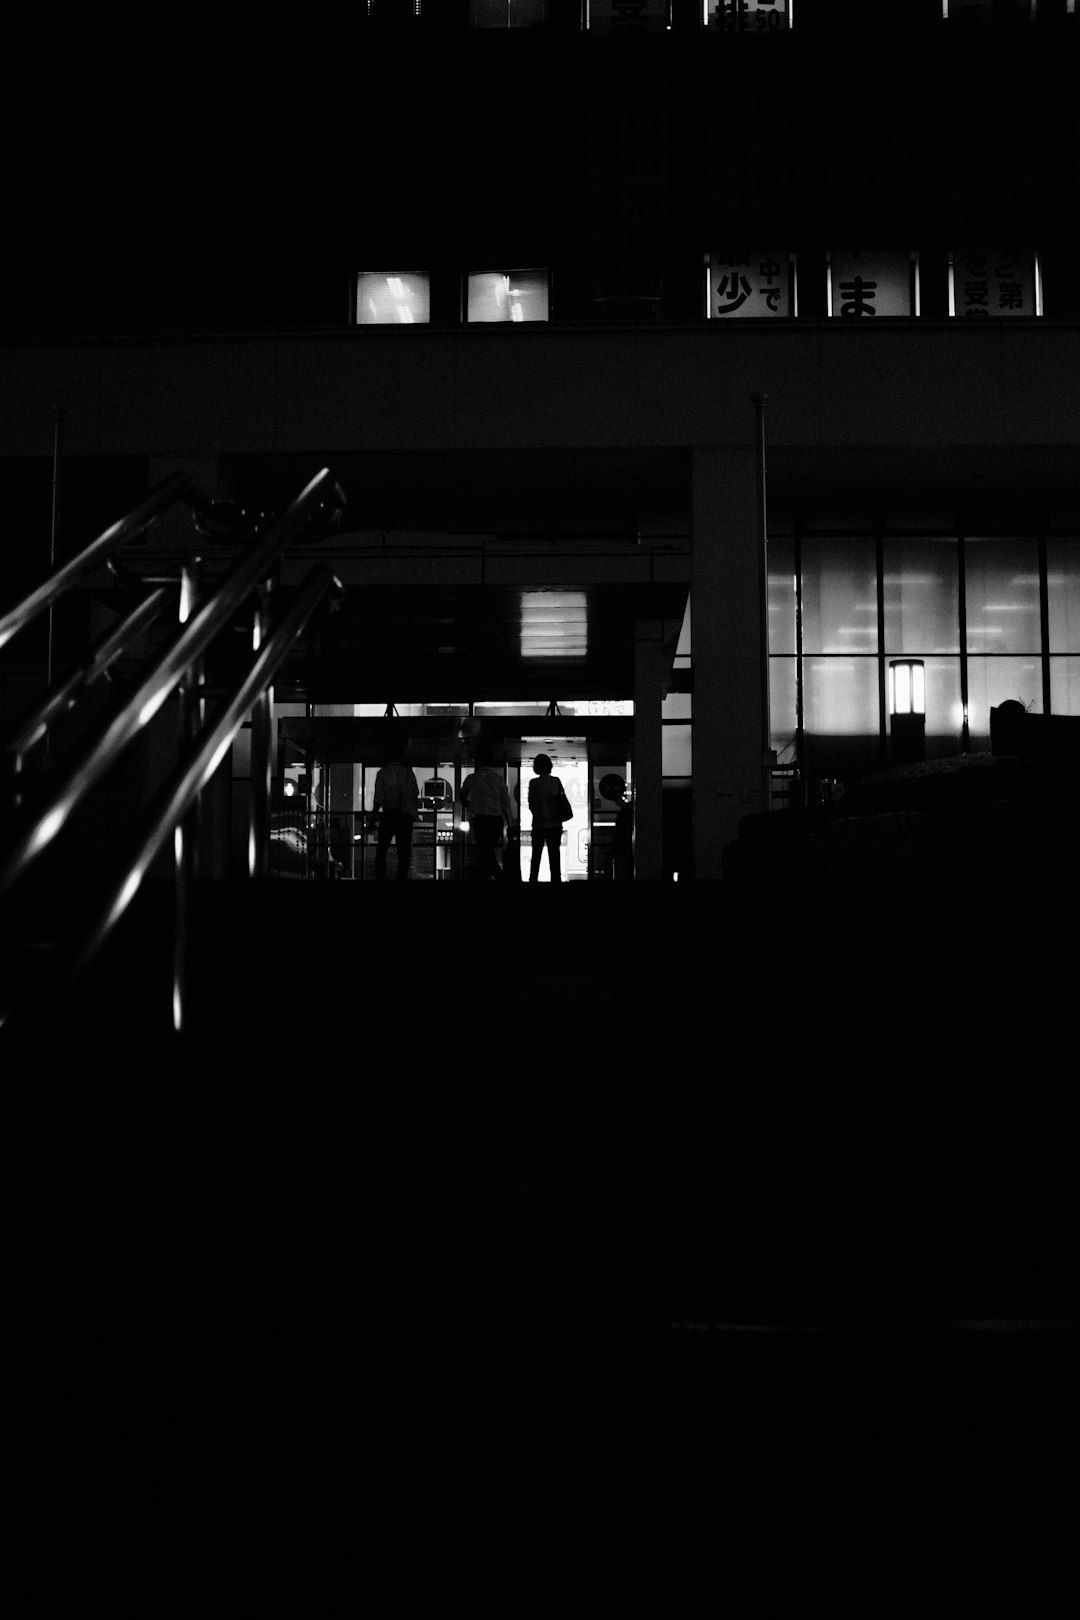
546,797
397,805
486,802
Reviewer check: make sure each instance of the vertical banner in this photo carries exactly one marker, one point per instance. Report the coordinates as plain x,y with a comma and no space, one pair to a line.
992,281
751,284
867,284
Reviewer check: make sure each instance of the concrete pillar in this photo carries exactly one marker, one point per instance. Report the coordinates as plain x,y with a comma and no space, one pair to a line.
648,756
726,651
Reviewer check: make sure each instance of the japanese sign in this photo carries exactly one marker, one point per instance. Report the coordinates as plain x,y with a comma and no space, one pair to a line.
608,15
750,284
993,281
877,283
752,16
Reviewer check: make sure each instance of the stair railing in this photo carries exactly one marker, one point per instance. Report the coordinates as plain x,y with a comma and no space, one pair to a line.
176,669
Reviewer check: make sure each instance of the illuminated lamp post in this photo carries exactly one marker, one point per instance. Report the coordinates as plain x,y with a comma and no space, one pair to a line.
907,710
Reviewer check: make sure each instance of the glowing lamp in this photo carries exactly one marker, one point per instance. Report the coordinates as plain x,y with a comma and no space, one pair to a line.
907,710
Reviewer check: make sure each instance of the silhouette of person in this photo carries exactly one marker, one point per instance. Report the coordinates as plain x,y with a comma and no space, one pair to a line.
620,862
397,805
486,801
545,792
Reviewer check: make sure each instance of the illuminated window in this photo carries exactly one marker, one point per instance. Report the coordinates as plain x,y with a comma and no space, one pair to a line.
392,298
749,16
513,295
1002,590
554,624
750,284
508,13
1063,592
994,281
873,283
921,595
608,16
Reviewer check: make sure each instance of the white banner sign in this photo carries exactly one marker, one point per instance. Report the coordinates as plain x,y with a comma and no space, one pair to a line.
993,281
750,284
866,284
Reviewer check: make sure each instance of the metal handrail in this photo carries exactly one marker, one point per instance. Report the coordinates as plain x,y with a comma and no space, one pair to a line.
189,643
166,815
176,487
21,737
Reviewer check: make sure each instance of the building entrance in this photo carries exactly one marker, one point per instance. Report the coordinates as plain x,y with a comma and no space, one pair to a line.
325,820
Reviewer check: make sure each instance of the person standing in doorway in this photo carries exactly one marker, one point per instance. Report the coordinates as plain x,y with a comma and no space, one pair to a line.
397,805
546,796
486,801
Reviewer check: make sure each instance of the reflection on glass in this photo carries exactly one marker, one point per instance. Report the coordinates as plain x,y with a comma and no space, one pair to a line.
514,296
782,708
675,748
392,298
921,596
1002,587
839,595
1065,685
1063,591
781,596
993,681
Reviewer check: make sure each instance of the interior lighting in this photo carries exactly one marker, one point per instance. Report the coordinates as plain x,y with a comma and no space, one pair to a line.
554,624
907,686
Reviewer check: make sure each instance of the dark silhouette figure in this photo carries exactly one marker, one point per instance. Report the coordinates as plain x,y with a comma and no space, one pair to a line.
545,798
397,805
486,801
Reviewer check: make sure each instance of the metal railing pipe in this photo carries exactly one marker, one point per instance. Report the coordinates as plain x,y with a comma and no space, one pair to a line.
190,643
165,815
166,494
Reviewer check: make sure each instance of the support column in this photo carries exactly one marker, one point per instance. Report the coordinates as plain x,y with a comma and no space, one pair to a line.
727,651
648,756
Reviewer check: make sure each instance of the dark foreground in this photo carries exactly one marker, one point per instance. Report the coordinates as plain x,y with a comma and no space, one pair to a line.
743,1237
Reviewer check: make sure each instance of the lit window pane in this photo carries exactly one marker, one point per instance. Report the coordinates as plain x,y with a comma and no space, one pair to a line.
782,708
607,16
944,708
515,295
842,716
1002,591
839,596
993,281
1065,685
993,681
863,285
1063,592
750,284
781,596
922,598
752,16
392,298
675,750
508,13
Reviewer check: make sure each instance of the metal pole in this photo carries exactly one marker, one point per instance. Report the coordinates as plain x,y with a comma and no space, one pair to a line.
768,757
54,531
186,836
259,822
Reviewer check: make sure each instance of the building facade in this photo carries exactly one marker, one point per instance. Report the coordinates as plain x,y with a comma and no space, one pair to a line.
602,315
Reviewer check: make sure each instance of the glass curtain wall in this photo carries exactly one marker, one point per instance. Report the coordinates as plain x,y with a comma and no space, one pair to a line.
989,618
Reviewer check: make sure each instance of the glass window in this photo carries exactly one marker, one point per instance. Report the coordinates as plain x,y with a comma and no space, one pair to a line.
392,298
608,16
1063,592
511,295
1065,685
751,16
922,598
1002,589
782,712
842,718
877,283
992,681
781,596
508,13
675,750
839,595
751,284
944,707
994,281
